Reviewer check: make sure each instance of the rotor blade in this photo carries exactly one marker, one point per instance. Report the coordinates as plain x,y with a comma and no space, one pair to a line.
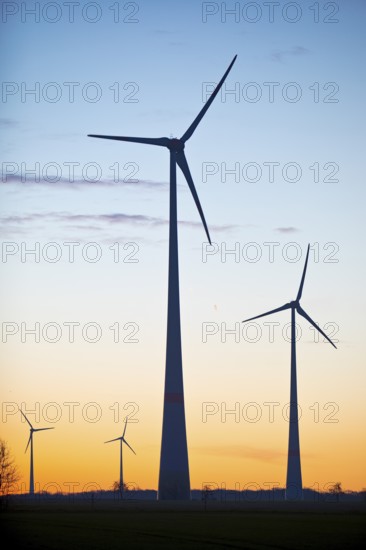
124,431
282,308
306,316
124,441
148,141
183,165
299,294
26,418
29,440
42,429
202,113
110,440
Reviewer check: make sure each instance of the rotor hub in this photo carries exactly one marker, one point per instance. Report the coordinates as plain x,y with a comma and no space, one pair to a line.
176,144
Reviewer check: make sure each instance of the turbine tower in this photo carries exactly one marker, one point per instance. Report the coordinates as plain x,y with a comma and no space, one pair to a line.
121,440
294,480
30,441
174,481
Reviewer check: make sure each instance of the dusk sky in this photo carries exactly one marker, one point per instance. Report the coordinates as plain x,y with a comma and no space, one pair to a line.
277,164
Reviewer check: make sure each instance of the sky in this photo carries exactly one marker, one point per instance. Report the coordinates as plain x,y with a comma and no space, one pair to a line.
277,165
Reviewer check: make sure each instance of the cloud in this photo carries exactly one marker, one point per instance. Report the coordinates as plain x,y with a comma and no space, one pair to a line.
16,179
8,122
242,451
164,31
25,218
85,227
60,136
212,227
115,218
295,51
92,220
287,229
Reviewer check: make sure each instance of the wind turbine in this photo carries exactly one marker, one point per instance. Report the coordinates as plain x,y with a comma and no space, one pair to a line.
30,441
174,481
294,480
121,440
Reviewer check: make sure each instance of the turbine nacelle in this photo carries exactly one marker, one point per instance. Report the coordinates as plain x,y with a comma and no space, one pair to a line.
32,430
295,305
176,144
122,438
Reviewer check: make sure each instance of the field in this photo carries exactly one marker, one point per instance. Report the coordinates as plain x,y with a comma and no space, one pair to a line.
159,525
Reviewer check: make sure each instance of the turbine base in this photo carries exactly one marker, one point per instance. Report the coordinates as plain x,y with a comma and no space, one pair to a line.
174,486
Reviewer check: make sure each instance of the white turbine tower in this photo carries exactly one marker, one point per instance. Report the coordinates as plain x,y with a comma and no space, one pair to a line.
294,479
30,441
121,439
174,481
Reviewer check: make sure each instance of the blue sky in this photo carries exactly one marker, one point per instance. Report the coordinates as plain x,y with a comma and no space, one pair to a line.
165,59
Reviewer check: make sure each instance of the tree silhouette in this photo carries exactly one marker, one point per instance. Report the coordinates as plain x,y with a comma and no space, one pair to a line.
9,474
117,487
206,494
336,490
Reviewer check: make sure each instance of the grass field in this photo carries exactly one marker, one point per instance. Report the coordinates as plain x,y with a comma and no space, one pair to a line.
151,525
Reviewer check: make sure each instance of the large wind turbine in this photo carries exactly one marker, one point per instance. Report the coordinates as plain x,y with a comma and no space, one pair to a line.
294,480
121,440
30,441
174,468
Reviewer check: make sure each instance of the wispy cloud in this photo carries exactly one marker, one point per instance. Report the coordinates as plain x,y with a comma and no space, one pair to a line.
164,31
242,451
289,229
16,179
225,227
60,136
114,218
8,122
295,51
168,114
98,221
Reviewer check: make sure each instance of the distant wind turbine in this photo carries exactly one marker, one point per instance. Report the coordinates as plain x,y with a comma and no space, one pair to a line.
30,441
174,481
121,439
294,480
